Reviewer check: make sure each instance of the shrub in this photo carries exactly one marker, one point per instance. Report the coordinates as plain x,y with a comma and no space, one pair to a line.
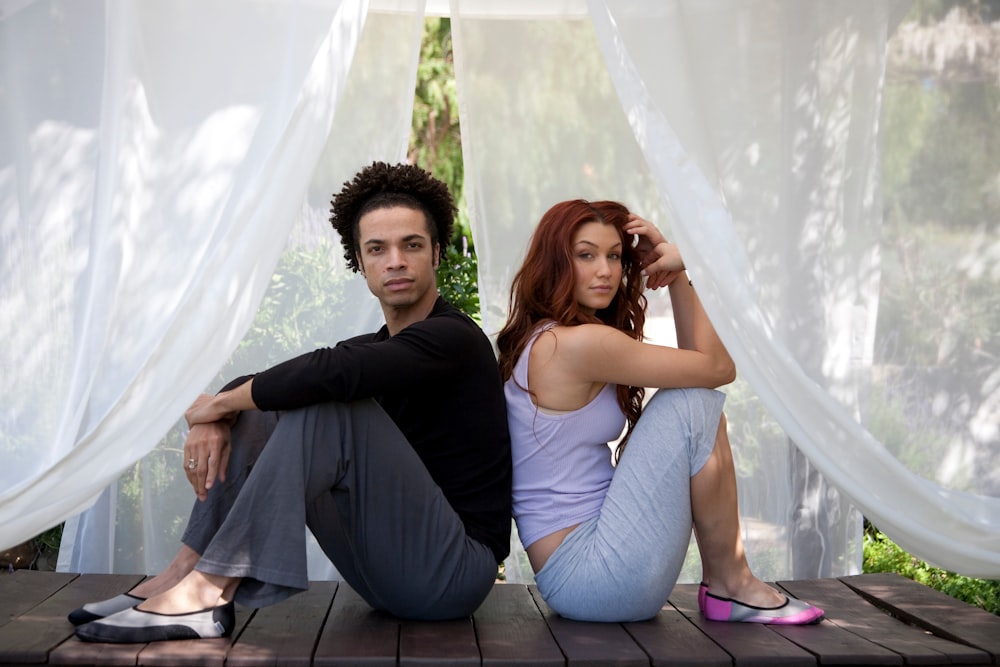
883,555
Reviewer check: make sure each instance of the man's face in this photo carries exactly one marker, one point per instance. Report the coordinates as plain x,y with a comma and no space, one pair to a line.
397,257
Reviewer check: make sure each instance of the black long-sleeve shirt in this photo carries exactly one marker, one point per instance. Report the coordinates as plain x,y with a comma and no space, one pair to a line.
438,380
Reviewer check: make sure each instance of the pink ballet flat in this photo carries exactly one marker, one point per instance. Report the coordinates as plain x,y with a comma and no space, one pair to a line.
702,589
792,612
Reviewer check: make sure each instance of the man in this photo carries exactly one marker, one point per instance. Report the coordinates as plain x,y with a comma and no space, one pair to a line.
392,447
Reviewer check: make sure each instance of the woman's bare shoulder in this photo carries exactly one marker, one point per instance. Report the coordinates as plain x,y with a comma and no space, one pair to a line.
581,340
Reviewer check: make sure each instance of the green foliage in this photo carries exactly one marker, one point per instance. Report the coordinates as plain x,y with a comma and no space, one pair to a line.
457,281
436,140
436,145
897,415
883,555
938,329
50,539
305,297
942,161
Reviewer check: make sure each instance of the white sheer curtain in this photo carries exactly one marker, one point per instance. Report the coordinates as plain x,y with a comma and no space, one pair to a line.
313,300
156,158
797,308
748,130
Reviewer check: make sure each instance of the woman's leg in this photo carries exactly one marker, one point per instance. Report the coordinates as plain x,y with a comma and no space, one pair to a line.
677,468
717,529
733,593
622,565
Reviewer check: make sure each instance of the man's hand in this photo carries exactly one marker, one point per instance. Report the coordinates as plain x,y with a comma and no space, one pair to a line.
207,409
206,450
206,456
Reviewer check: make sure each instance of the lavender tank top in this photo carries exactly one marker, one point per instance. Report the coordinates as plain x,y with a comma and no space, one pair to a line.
562,462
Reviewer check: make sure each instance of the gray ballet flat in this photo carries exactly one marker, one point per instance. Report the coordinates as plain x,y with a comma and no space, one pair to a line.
135,626
94,611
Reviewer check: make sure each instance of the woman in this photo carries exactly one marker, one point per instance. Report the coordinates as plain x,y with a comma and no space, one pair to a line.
607,542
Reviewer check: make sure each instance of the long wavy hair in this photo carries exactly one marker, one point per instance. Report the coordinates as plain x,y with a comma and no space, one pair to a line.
543,291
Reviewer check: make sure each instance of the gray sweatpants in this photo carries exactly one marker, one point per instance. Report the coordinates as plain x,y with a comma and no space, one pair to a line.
348,473
622,564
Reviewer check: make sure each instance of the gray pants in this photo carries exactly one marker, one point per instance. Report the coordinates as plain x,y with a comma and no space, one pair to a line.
348,473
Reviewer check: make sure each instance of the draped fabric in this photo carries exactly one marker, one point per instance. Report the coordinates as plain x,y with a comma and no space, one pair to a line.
165,174
156,160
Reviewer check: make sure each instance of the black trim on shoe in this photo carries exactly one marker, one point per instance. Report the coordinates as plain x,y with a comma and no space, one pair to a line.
137,626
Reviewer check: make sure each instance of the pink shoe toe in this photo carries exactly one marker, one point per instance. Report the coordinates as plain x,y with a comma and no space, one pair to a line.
792,612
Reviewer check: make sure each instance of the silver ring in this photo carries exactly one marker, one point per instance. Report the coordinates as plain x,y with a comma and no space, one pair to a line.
192,464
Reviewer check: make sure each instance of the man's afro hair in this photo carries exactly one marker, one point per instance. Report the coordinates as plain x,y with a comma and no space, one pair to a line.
382,185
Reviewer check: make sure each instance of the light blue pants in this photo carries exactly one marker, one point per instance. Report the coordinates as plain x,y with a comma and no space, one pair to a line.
622,564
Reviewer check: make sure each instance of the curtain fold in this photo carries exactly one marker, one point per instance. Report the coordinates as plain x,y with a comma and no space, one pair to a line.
312,300
150,173
831,72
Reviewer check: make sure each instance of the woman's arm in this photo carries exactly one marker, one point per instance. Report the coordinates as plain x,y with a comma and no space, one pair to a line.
701,360
600,353
695,330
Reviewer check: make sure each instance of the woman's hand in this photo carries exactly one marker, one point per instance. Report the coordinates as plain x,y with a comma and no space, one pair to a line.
660,261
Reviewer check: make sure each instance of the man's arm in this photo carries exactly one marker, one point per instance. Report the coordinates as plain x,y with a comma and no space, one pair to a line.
224,406
366,367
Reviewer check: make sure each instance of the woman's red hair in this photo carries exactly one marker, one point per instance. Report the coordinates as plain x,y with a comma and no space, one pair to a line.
543,290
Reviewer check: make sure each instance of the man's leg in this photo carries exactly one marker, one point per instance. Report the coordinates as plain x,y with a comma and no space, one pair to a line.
408,555
249,435
347,471
384,522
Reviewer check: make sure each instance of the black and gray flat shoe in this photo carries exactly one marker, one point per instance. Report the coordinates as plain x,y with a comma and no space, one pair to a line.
134,626
94,611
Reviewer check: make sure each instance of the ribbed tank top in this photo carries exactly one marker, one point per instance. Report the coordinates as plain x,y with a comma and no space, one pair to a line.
562,462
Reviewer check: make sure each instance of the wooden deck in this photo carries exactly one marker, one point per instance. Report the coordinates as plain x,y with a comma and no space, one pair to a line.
872,619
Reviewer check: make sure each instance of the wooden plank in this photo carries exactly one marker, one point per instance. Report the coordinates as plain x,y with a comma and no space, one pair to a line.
672,639
356,634
747,643
932,610
194,652
75,652
871,619
21,590
284,633
830,639
30,637
849,611
511,630
591,644
451,643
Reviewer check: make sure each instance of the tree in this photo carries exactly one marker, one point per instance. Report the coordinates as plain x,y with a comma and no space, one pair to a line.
436,145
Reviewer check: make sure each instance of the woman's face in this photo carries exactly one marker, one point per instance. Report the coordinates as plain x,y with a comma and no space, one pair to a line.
597,265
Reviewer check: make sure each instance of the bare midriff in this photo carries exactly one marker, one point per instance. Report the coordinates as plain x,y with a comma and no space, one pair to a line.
541,549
